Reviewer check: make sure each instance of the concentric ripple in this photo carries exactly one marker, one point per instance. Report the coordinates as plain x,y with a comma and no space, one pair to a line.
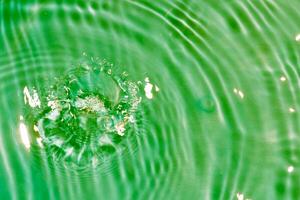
220,111
84,117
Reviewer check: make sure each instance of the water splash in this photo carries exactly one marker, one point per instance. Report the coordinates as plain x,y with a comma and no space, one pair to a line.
84,116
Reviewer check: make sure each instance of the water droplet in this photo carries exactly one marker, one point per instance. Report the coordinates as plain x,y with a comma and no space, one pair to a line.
283,78
239,93
148,89
290,169
85,115
297,38
206,104
292,110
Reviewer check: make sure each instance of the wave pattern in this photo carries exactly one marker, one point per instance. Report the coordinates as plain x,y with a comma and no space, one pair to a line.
220,101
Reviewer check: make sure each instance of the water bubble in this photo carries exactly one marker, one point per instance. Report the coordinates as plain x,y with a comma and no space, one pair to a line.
206,104
85,115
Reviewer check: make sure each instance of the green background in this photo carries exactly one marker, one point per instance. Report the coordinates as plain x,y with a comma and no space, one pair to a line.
223,123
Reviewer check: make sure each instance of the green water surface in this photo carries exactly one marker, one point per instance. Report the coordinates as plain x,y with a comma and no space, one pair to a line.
219,87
